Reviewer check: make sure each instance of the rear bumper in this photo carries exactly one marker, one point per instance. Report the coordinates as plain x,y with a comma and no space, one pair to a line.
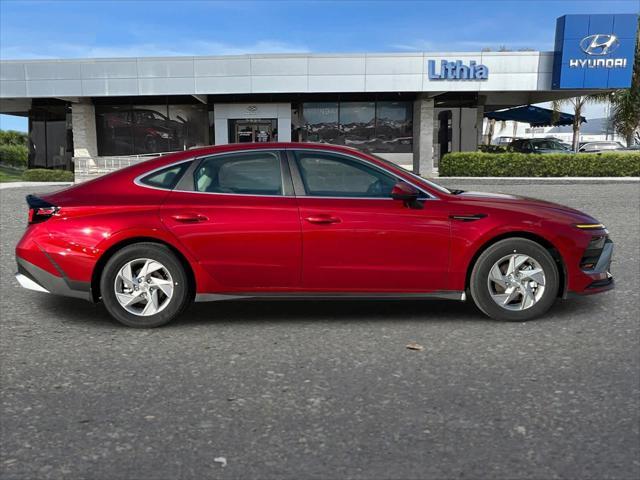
34,278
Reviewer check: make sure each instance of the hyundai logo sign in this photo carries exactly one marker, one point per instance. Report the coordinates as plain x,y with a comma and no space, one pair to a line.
594,51
599,44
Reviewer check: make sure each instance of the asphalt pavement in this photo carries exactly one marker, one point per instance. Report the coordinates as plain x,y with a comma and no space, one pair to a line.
327,390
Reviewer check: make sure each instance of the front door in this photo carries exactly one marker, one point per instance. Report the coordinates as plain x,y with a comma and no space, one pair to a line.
238,217
357,238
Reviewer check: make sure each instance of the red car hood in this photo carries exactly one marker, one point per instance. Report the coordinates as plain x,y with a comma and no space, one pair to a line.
528,205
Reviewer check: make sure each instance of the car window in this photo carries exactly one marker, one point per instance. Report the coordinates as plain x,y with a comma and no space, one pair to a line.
166,178
331,175
256,173
545,145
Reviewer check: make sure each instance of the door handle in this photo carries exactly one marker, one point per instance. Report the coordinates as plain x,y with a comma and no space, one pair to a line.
468,218
322,219
189,217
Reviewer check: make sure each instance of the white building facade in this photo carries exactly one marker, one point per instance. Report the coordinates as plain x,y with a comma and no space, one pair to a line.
408,107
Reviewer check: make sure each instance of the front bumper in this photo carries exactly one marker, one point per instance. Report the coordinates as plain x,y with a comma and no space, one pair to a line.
599,278
34,278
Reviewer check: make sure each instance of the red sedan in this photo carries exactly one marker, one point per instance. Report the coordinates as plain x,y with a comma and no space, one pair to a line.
301,220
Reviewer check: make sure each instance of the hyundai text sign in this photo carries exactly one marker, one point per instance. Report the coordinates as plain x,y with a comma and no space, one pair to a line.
594,51
456,70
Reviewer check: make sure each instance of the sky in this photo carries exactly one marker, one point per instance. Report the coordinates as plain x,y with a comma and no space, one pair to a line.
83,28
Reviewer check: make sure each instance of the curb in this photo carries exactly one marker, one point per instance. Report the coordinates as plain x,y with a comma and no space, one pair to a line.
7,185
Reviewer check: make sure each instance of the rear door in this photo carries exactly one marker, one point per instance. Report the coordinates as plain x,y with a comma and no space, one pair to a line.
236,213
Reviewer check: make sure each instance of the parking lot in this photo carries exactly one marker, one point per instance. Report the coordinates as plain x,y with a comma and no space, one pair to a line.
328,389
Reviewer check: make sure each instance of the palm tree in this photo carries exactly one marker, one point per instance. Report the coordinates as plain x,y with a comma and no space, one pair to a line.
625,104
578,104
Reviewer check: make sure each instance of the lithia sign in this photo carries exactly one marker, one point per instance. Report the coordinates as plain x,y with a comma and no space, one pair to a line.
456,70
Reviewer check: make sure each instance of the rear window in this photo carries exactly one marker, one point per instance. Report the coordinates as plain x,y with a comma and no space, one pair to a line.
166,178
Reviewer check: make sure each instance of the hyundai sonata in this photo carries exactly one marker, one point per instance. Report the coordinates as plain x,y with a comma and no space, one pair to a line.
301,220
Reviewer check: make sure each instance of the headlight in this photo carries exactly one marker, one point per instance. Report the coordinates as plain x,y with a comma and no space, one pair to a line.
590,226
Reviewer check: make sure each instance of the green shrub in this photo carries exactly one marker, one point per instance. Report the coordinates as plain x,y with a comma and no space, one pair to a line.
11,137
492,148
514,164
14,155
44,175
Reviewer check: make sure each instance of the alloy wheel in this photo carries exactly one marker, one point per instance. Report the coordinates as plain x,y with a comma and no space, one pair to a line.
143,287
516,282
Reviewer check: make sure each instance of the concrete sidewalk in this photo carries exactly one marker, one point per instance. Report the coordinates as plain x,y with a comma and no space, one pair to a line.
6,185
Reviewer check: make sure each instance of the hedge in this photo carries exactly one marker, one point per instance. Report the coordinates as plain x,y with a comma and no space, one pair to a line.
44,175
492,148
14,155
513,164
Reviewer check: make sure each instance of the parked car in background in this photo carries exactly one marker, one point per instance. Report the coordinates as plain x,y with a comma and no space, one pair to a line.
301,220
503,141
538,145
634,148
561,141
601,146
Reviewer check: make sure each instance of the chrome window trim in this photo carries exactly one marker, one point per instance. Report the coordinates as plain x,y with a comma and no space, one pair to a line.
292,149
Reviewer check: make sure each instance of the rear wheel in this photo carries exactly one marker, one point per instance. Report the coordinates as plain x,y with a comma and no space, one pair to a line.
144,285
515,279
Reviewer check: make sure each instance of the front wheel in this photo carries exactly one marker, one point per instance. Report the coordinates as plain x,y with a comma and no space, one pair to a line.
144,285
515,279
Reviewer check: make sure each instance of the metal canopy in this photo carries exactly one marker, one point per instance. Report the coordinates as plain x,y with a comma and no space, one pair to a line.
534,116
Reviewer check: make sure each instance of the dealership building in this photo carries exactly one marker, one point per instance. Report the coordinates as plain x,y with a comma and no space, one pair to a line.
412,108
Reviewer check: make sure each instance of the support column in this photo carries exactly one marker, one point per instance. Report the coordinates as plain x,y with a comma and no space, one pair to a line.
423,137
83,120
480,124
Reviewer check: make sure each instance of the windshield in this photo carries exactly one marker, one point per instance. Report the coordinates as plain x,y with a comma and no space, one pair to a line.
547,145
440,188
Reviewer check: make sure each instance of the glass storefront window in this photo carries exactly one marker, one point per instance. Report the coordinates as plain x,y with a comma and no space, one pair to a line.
113,128
57,144
320,122
381,127
148,129
152,130
394,127
191,122
50,138
358,122
37,143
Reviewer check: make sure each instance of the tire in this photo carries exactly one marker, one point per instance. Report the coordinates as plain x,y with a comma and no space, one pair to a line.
158,299
524,293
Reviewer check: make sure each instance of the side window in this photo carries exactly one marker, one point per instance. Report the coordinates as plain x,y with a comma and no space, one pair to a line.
166,178
245,173
329,175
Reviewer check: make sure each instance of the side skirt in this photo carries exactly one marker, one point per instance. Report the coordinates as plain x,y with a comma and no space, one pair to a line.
444,294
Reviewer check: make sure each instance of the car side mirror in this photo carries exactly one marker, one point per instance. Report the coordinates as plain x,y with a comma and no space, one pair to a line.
406,193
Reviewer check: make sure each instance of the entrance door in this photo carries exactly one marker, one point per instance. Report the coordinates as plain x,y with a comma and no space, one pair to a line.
253,131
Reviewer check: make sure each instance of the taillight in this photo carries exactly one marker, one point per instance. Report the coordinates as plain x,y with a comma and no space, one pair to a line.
37,215
40,210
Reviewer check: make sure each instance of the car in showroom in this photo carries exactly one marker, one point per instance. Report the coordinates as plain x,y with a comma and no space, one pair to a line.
301,220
